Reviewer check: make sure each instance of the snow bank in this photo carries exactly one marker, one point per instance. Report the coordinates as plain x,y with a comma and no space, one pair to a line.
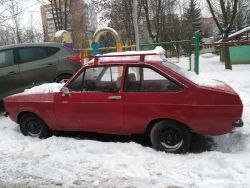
81,162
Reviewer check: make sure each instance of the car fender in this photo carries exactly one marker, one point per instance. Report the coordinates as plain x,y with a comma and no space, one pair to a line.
19,104
170,116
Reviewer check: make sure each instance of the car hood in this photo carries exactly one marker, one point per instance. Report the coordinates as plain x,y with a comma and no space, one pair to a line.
30,97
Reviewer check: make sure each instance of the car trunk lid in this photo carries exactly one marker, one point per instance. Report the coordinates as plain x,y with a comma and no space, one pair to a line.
218,85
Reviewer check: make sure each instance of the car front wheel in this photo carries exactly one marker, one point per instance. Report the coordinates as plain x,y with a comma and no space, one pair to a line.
33,125
170,136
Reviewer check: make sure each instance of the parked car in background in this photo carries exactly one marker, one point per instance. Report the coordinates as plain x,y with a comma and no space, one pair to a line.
128,93
26,65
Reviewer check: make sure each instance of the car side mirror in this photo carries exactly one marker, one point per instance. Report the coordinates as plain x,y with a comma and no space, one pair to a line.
65,91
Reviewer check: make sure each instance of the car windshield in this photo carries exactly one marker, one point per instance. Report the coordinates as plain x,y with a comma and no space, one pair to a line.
196,79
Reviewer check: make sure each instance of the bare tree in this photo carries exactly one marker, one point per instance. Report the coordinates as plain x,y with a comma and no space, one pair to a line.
4,11
6,36
151,17
92,20
102,8
121,18
11,31
67,15
155,12
15,10
118,14
31,33
243,13
224,13
60,10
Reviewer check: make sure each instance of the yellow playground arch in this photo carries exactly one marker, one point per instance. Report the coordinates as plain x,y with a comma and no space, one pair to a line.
62,36
97,35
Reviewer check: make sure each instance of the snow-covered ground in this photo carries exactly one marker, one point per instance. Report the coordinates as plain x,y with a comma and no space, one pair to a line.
74,162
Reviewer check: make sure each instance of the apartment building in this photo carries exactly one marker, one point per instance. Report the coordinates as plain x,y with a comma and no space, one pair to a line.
76,18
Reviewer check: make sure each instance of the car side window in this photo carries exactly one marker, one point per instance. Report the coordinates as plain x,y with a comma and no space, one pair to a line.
6,58
32,54
52,50
99,79
143,79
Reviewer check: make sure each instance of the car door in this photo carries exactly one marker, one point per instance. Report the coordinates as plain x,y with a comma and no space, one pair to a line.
148,95
10,79
94,102
36,67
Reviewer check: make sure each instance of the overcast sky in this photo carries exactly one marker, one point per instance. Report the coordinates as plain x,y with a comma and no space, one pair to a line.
32,9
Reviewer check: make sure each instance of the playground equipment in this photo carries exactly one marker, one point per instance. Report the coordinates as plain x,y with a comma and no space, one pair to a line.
62,36
186,43
106,45
97,35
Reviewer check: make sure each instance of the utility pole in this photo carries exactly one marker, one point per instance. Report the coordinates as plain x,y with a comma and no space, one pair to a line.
136,25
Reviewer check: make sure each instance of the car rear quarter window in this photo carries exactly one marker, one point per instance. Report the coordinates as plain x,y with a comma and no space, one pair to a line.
32,54
191,76
143,79
6,58
52,50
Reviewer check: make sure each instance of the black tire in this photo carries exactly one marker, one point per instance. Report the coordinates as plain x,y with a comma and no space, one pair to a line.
63,78
33,125
170,136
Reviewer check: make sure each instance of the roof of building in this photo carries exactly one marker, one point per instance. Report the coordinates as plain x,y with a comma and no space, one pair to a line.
239,33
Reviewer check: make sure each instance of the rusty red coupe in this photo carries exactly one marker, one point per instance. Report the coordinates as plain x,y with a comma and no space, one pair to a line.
132,93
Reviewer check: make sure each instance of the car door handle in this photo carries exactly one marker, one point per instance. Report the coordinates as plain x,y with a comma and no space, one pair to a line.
50,65
115,97
12,73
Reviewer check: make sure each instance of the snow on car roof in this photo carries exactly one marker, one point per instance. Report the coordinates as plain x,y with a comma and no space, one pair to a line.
158,54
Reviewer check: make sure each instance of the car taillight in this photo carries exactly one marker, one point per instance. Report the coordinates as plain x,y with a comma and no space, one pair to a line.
74,58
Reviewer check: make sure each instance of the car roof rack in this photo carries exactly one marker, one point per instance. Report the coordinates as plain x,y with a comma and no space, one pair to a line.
141,55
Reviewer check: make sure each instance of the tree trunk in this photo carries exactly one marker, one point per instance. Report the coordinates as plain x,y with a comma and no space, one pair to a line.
226,55
145,5
225,48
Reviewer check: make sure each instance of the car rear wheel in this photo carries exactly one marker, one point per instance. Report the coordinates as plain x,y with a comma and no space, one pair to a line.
63,78
170,136
33,125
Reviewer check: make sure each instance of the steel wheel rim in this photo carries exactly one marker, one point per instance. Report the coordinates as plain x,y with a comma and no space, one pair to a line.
33,128
171,138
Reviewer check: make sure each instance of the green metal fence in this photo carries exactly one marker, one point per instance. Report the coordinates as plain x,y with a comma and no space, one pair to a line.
173,49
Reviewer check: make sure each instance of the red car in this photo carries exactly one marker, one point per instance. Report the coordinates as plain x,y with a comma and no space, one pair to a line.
132,93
